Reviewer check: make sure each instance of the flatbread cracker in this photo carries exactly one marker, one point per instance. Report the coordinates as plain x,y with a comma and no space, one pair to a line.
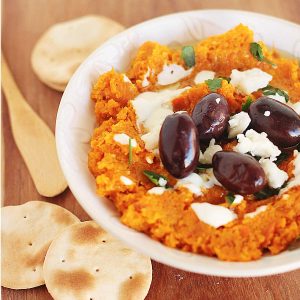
64,46
85,262
27,231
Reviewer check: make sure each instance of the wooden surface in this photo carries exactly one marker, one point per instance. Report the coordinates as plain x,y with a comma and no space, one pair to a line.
23,22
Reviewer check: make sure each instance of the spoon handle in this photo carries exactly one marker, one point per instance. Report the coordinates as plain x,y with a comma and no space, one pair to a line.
34,139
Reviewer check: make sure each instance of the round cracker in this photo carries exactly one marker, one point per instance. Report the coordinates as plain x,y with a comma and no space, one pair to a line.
27,231
62,48
85,262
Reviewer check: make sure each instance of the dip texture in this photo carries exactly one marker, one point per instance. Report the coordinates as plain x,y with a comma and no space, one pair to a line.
124,145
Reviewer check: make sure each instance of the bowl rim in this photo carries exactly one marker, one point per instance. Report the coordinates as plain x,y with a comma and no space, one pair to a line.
280,268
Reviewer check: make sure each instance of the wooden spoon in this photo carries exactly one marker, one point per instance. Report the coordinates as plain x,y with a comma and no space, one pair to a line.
34,139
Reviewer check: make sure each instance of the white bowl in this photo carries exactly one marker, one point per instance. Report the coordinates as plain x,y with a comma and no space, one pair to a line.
75,124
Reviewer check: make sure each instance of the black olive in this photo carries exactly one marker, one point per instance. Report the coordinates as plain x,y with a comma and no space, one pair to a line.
239,173
179,145
211,115
280,122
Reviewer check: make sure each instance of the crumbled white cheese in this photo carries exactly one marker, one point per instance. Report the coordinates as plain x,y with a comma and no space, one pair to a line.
203,76
238,199
145,81
172,73
126,79
267,113
213,215
126,180
209,179
196,182
277,97
206,157
162,182
157,190
249,81
151,138
146,103
193,183
238,123
295,181
157,117
276,177
149,160
257,144
256,212
151,109
123,139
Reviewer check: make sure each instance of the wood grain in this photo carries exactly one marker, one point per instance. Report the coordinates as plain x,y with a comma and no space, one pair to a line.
23,22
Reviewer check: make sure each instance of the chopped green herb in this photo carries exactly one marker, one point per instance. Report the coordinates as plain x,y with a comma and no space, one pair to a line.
214,84
270,90
257,52
268,192
130,151
156,178
230,197
188,55
203,167
246,105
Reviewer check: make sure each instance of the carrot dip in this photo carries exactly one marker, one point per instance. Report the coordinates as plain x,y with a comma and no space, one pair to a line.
198,147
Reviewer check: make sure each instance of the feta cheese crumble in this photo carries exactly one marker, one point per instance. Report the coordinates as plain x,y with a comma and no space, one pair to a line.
257,144
238,123
209,179
126,79
123,139
206,157
213,215
276,177
250,80
149,160
145,81
151,109
157,190
202,76
172,73
238,199
193,183
256,212
126,180
162,182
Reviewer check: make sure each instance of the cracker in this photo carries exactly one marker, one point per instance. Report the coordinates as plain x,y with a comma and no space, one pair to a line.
27,231
85,262
62,48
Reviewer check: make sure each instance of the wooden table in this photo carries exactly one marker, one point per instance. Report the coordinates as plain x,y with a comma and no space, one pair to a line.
23,22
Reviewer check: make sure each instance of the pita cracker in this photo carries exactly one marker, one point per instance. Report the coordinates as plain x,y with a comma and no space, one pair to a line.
85,262
27,231
64,46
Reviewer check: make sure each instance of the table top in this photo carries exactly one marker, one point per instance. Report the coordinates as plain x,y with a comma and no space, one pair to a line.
23,22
